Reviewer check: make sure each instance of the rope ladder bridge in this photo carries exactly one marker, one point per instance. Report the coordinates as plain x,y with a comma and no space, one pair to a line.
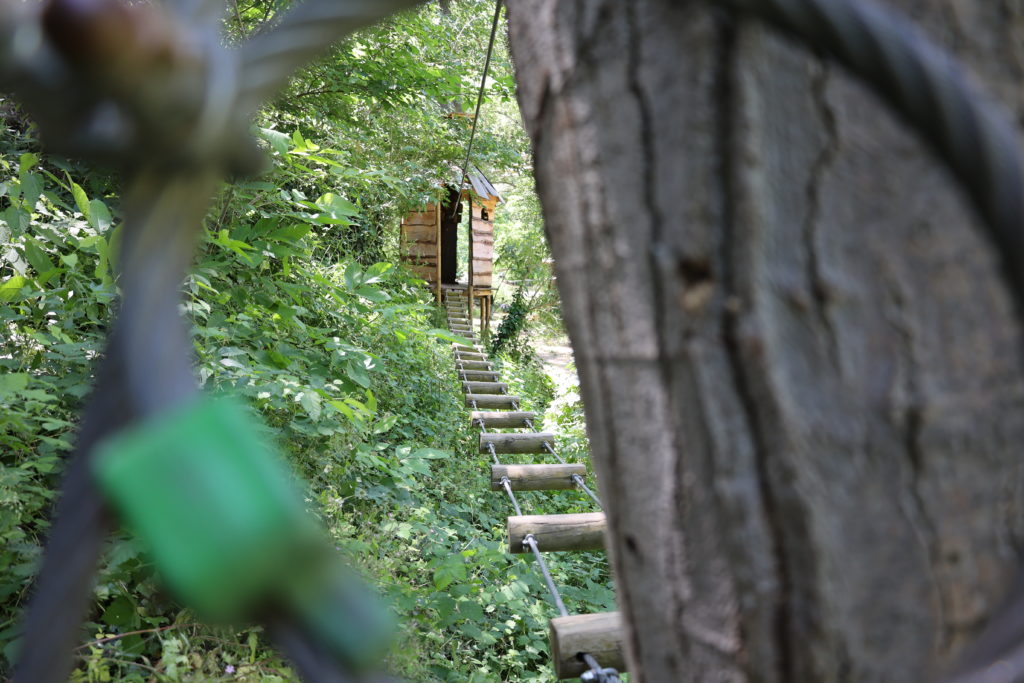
588,646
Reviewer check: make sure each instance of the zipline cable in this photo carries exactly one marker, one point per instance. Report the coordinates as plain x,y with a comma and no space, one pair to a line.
479,99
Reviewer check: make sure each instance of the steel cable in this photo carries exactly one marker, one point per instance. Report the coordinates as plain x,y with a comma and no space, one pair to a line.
479,103
978,143
931,91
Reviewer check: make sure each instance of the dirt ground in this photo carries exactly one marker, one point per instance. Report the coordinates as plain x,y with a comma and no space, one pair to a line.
556,355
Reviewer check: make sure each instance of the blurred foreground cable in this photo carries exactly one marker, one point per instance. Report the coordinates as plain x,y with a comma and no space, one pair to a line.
978,142
151,90
932,92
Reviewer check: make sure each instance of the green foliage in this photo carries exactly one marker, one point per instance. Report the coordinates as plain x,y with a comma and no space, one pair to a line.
507,338
297,307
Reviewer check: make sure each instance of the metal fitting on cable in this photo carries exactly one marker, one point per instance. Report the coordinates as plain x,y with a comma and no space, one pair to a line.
600,676
597,674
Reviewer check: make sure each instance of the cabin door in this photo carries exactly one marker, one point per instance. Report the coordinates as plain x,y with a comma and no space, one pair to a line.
450,237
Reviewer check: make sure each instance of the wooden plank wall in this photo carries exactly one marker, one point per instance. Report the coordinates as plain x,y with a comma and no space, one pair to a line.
483,244
418,245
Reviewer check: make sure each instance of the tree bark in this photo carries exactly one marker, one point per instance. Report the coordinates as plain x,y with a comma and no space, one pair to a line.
801,370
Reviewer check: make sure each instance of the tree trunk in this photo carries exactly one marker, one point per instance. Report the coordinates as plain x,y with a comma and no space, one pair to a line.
801,370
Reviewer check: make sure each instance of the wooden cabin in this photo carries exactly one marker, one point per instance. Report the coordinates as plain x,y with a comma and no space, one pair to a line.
429,245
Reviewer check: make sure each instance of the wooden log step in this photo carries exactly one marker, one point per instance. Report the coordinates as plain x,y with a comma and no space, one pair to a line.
600,635
492,401
480,376
532,442
475,365
555,533
501,419
536,477
458,321
471,355
484,387
462,347
461,328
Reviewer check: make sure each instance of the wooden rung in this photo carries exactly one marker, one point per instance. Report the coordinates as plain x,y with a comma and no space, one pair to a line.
536,477
476,365
501,419
475,348
471,355
600,635
491,401
532,442
479,376
484,387
458,321
461,329
553,533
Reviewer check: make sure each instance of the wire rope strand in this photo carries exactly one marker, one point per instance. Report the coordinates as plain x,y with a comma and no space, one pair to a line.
586,489
508,489
931,91
531,542
480,97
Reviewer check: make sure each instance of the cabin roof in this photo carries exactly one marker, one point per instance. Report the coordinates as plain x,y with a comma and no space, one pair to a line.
481,186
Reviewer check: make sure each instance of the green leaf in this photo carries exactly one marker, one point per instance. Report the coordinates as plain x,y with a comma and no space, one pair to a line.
430,454
373,294
472,610
310,400
121,613
99,215
357,373
37,258
376,272
31,189
12,383
278,141
291,233
9,289
448,336
26,162
81,198
353,275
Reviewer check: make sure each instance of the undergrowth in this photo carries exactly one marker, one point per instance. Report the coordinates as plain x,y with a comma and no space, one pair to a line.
357,387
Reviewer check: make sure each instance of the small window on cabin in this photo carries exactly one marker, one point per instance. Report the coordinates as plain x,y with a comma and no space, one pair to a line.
483,214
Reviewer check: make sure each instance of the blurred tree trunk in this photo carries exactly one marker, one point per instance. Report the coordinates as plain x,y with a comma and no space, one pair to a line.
802,373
